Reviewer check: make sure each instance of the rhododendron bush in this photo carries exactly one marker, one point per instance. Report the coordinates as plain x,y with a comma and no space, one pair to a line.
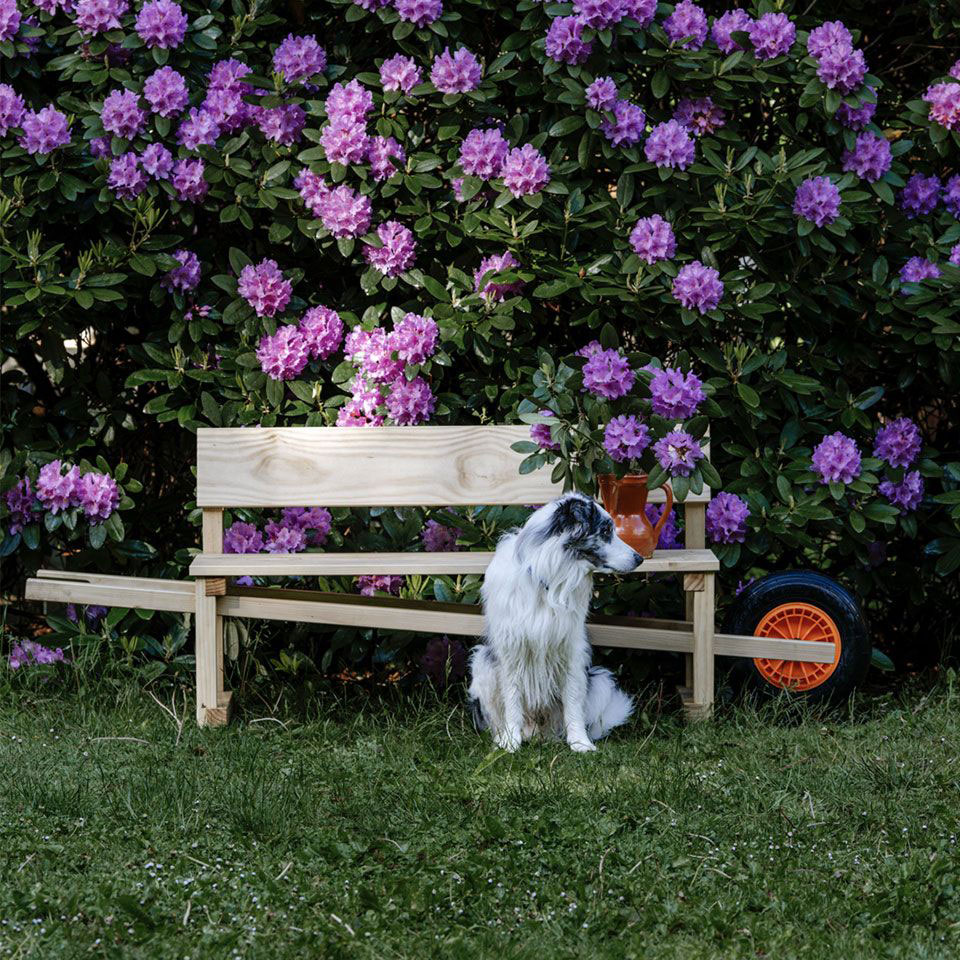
621,222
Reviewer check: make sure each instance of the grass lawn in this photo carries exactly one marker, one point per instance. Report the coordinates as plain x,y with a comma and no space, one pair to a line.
388,829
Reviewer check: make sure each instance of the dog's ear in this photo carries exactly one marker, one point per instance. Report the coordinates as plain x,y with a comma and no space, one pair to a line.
573,517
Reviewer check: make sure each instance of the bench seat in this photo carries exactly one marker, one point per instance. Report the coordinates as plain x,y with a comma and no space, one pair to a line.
354,564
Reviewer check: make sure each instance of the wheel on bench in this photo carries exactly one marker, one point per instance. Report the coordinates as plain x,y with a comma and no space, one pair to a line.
805,606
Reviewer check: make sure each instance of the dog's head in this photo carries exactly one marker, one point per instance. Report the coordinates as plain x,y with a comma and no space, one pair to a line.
583,531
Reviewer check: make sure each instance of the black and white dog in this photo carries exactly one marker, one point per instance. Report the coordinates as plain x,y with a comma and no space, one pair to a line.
532,675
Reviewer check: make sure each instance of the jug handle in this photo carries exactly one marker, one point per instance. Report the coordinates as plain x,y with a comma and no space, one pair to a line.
668,506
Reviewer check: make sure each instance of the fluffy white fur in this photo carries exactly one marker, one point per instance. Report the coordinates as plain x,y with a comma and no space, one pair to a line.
532,676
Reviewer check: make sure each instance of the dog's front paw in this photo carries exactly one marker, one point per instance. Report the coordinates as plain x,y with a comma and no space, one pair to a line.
581,746
508,740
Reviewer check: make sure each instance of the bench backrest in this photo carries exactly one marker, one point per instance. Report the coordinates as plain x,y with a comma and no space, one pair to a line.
375,467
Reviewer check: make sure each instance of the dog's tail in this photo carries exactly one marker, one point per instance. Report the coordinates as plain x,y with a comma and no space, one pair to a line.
607,705
482,686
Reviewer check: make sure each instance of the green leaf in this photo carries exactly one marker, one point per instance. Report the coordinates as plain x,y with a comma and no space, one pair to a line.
238,260
881,661
748,395
567,125
97,535
660,84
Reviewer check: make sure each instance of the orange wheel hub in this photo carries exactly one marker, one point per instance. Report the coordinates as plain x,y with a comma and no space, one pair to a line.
797,621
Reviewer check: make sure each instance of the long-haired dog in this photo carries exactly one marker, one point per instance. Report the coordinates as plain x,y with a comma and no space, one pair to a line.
532,675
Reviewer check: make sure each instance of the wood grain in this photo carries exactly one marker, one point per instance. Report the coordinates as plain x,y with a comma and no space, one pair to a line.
373,466
354,564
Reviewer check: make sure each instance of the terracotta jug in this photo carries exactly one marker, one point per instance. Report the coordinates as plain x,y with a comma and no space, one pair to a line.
625,499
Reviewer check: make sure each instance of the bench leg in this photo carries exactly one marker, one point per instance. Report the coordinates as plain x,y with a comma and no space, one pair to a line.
213,703
697,697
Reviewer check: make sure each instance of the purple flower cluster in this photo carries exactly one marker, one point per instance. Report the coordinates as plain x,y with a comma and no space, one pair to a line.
370,584
565,42
282,125
599,14
224,100
457,72
918,269
297,528
322,331
242,537
699,116
263,286
954,257
157,161
98,16
727,518
9,19
44,131
11,108
627,125
607,374
197,129
870,158
420,12
920,195
601,94
162,24
29,653
299,57
125,178
818,200
698,287
839,66
772,35
733,21
345,138
482,153
675,394
687,22
829,36
398,250
625,438
498,263
898,443
399,73
381,153
166,92
187,179
907,494
61,486
944,100
284,355
856,118
670,145
344,212
20,501
669,538
951,195
373,352
643,11
652,239
437,538
187,275
540,433
678,453
525,171
121,114
836,459
410,401
414,338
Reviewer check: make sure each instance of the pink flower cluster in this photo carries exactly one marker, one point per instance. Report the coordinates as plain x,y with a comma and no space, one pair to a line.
297,529
370,584
944,100
627,126
400,73
482,153
397,253
284,355
44,130
525,171
674,394
264,287
186,277
498,263
457,72
61,487
299,57
29,653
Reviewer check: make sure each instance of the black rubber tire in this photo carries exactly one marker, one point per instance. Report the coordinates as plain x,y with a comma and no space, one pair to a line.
802,586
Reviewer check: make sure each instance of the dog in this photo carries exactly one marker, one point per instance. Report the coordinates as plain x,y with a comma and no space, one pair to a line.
532,675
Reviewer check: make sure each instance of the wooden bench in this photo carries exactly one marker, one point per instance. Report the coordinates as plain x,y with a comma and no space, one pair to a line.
392,467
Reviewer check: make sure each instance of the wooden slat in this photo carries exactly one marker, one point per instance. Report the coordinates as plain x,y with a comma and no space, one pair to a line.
114,579
314,606
372,466
353,564
116,592
388,612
